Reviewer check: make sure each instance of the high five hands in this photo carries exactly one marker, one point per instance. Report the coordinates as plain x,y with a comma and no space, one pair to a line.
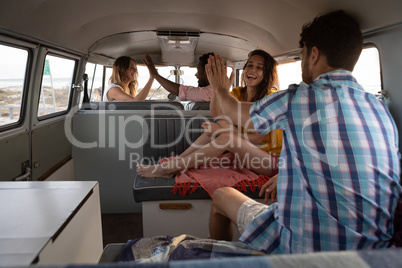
150,64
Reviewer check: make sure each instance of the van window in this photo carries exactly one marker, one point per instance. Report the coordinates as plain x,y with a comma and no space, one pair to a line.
188,78
157,91
108,74
56,85
367,72
13,66
289,73
95,81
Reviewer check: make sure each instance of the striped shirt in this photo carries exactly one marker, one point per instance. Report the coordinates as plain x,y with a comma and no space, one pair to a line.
339,169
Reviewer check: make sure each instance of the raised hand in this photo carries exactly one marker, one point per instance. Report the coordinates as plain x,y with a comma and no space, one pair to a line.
151,66
216,73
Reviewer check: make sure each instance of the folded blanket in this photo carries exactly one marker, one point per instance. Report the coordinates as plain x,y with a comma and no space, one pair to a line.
184,247
187,249
225,171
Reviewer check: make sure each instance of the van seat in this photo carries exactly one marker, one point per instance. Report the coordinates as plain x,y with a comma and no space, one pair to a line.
198,105
134,105
165,130
151,189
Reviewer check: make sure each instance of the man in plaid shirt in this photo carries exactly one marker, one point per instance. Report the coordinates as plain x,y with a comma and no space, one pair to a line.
339,173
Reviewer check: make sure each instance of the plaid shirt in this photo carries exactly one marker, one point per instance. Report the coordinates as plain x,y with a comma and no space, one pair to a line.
339,168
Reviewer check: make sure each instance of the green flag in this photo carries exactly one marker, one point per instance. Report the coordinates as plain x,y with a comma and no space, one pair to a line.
46,70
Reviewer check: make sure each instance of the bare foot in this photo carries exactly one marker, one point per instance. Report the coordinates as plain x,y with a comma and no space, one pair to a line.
154,171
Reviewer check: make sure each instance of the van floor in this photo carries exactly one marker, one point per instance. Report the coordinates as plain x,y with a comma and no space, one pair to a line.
121,227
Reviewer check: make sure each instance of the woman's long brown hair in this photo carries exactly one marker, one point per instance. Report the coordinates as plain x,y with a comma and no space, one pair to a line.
270,79
120,67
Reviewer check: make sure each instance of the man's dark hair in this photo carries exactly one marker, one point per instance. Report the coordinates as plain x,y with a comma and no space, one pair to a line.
204,58
337,35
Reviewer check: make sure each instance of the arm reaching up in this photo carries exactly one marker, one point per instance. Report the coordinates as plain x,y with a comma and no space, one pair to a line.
167,84
145,91
237,111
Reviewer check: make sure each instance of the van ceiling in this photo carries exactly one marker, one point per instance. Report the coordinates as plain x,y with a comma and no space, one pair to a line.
106,29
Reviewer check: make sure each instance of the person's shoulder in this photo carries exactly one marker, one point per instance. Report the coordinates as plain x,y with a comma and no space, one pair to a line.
237,92
278,96
237,89
111,85
275,92
293,87
338,76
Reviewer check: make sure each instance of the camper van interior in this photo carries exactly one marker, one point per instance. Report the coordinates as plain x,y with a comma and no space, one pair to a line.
70,191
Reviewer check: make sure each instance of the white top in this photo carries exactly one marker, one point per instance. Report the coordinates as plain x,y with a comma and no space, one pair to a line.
31,213
108,87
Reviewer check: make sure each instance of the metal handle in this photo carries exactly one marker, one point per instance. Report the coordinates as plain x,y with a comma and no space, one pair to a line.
175,206
25,176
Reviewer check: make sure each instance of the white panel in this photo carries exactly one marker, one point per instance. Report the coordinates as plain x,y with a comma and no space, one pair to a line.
49,223
177,222
81,240
65,173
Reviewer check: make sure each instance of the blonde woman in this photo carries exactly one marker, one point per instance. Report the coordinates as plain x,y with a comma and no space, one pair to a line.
123,82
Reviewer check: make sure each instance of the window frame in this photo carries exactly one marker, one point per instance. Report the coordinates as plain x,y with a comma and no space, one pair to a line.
25,86
71,92
91,78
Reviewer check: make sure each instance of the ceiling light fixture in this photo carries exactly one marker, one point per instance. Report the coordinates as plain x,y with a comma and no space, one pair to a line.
178,46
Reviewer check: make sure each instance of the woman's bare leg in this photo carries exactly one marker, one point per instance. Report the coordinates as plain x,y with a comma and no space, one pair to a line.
197,144
206,137
253,158
192,160
249,156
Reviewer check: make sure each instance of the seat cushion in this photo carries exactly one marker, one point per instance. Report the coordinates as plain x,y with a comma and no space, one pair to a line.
152,189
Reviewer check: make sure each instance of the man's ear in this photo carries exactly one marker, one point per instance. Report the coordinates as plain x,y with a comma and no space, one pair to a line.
315,55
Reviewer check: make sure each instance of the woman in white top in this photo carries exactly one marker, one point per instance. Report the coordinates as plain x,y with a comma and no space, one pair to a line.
123,82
